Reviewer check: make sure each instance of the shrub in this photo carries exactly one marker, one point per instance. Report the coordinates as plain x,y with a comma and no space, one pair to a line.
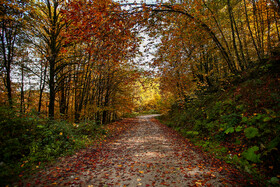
26,141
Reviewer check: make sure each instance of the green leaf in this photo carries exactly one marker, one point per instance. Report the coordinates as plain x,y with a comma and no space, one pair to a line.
191,133
229,130
238,129
251,155
244,119
258,116
274,180
251,132
274,143
266,119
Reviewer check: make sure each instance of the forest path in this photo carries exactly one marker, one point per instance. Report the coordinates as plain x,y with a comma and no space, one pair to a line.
148,154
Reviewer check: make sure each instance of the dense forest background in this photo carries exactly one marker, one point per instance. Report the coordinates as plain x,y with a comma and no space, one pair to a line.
70,67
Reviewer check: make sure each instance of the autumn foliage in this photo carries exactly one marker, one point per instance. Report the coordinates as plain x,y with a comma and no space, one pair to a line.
214,72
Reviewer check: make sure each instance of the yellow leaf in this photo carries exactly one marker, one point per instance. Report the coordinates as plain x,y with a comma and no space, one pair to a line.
141,171
198,183
213,175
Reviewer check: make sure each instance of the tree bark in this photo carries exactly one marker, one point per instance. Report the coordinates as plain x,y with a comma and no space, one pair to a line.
52,89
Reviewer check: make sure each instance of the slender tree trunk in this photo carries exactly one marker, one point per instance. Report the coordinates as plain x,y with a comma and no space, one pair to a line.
276,25
219,27
99,100
22,108
256,21
42,87
8,52
231,17
251,33
262,28
40,101
62,100
268,29
9,86
76,96
242,64
29,97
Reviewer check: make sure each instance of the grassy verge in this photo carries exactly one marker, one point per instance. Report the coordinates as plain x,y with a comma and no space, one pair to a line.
28,142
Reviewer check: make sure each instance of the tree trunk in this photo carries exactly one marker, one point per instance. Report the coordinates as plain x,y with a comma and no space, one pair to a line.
62,100
242,64
8,42
231,17
250,31
42,87
22,108
9,85
52,89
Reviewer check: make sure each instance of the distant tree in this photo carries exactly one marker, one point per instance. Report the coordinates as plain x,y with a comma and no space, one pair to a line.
13,17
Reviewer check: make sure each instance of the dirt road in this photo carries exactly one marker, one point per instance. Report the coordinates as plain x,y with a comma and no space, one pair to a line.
148,154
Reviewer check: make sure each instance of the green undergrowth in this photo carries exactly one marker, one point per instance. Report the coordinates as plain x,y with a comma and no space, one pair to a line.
240,125
28,142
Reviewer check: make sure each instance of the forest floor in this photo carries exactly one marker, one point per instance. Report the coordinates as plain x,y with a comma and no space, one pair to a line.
146,154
